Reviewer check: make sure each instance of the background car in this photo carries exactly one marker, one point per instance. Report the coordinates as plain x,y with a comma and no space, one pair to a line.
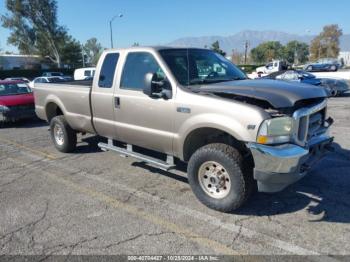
57,74
44,79
16,101
326,64
22,79
333,87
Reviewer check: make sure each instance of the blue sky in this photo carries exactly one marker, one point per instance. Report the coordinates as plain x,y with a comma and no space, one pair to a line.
161,21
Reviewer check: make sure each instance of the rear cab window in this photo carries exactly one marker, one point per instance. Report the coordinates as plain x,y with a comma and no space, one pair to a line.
108,69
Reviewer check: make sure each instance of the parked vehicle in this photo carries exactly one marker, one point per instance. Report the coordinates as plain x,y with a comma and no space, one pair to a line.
51,79
322,65
22,79
84,73
233,132
334,87
16,101
274,66
57,74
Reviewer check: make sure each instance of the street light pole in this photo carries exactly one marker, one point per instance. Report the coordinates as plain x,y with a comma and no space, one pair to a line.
111,26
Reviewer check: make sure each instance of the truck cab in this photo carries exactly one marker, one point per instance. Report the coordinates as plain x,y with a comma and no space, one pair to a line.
271,67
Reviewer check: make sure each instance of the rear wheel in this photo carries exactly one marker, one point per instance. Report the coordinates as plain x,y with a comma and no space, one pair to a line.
333,68
309,68
62,135
218,178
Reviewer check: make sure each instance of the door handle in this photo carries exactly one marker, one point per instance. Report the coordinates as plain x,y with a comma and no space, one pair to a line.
117,102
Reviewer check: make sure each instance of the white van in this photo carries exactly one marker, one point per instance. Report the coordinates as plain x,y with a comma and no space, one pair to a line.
84,73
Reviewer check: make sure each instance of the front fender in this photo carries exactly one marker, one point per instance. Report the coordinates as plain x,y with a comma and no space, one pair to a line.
216,121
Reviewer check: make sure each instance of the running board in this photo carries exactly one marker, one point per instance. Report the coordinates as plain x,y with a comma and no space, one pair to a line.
164,165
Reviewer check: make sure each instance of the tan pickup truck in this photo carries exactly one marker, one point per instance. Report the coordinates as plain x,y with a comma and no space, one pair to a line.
195,106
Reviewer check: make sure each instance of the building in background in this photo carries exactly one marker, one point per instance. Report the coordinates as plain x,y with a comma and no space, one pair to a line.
345,56
11,62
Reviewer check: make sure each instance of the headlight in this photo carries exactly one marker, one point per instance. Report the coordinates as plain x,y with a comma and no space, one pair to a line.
3,108
276,131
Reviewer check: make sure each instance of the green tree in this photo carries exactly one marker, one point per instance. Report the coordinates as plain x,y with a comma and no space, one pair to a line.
267,51
296,52
35,30
71,52
93,50
216,47
326,44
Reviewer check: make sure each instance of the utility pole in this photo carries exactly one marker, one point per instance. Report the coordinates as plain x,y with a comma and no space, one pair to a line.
246,46
111,26
83,55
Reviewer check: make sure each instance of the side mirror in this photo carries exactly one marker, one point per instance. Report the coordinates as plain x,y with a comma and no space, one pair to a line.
149,88
155,88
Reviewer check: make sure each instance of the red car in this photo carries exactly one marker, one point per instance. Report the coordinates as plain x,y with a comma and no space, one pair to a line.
16,101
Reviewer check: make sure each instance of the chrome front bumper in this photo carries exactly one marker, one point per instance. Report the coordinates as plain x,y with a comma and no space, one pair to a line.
277,167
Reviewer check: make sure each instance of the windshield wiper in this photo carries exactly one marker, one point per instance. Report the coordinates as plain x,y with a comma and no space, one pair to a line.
211,81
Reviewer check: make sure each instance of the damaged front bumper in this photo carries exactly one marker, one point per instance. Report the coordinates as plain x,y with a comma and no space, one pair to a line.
277,167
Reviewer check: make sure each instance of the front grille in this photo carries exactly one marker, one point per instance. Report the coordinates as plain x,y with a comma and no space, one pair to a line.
310,122
316,124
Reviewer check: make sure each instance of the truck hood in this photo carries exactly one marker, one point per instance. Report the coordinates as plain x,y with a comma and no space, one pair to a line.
279,94
17,100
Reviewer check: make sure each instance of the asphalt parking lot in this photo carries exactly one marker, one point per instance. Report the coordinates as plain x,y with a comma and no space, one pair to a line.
94,202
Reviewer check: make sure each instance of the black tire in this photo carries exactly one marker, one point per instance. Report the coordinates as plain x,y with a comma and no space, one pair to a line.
334,68
334,93
69,135
241,177
309,68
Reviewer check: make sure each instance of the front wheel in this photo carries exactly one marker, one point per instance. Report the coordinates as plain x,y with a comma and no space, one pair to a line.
334,68
218,178
334,93
62,135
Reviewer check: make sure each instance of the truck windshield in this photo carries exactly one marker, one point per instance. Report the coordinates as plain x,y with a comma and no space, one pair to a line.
198,66
14,89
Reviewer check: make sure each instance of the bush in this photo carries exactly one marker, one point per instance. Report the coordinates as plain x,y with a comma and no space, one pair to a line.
31,74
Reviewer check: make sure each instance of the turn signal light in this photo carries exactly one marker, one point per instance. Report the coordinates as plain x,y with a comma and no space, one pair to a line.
262,139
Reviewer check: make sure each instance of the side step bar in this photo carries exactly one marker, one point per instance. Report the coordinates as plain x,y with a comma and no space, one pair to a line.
164,165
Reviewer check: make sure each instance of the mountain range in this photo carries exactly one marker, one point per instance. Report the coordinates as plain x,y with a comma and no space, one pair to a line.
254,38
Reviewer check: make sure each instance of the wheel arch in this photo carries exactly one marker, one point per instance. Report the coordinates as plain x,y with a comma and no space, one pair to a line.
202,136
53,108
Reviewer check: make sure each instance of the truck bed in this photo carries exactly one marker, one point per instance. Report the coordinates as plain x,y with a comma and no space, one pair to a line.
72,98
